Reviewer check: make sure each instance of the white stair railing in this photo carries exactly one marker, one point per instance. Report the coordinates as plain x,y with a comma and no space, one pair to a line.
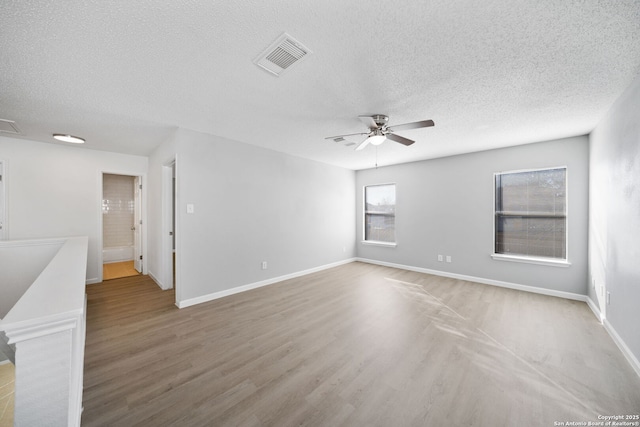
46,327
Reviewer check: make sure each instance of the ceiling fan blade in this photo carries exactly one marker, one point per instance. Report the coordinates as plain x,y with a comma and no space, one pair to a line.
400,139
349,134
363,144
414,125
369,122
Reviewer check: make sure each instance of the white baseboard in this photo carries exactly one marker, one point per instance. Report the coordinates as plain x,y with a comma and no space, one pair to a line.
92,281
592,305
516,286
158,282
631,358
210,297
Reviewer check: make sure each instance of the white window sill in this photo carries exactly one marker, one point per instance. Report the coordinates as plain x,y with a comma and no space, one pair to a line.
376,243
532,260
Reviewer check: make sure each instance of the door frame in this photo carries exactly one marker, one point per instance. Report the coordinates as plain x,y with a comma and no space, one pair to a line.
171,227
4,188
138,263
169,218
143,216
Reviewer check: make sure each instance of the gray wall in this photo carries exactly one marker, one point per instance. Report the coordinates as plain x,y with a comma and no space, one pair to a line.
445,206
252,205
614,228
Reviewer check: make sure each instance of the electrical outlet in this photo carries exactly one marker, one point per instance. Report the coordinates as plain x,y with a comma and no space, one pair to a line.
264,265
440,258
448,258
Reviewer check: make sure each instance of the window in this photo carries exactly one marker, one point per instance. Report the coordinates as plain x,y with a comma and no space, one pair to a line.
380,213
531,213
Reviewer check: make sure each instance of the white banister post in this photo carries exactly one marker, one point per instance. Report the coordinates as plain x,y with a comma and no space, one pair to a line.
47,372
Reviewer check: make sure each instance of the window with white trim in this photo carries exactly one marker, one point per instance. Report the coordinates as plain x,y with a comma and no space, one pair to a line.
531,213
380,213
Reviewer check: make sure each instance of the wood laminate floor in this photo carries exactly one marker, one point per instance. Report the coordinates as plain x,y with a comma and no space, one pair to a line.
7,387
356,345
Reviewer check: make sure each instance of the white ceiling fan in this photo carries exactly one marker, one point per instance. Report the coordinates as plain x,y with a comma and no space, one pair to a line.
379,131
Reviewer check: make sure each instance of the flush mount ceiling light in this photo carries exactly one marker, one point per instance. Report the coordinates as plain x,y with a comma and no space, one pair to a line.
68,138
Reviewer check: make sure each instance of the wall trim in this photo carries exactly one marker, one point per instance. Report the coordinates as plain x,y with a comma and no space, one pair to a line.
243,288
594,307
516,286
631,358
92,281
626,351
157,281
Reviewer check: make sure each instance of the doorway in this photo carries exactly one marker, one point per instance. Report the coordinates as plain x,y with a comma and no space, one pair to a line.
121,226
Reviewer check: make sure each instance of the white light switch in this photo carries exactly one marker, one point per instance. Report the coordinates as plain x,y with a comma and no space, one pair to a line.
190,208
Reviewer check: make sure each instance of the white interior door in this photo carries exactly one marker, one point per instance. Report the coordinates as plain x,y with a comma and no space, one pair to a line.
137,225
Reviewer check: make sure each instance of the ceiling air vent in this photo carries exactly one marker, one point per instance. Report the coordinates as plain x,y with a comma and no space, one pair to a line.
9,126
340,140
282,54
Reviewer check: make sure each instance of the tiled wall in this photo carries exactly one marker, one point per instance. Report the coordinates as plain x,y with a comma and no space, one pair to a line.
117,210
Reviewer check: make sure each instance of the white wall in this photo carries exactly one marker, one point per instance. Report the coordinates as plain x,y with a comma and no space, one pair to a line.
54,191
445,206
614,228
252,205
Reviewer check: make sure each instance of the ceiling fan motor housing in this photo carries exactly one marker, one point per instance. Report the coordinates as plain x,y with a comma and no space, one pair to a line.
380,119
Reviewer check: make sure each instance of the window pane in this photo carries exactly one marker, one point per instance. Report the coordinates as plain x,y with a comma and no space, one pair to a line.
532,192
538,237
531,213
379,216
381,228
381,198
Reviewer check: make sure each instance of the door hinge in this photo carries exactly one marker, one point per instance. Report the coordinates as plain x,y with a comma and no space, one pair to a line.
171,233
140,222
140,255
140,186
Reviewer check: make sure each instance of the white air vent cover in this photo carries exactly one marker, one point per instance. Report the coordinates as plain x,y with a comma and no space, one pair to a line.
282,54
9,126
340,140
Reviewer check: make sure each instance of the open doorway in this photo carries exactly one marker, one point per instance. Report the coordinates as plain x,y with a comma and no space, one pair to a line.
121,226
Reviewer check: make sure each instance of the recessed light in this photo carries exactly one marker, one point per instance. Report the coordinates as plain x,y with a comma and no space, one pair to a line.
68,138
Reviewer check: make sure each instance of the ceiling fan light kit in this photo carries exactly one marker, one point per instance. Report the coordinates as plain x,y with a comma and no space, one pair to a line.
376,139
379,131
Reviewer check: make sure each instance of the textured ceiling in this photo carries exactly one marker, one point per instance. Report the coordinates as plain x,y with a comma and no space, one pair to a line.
490,74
